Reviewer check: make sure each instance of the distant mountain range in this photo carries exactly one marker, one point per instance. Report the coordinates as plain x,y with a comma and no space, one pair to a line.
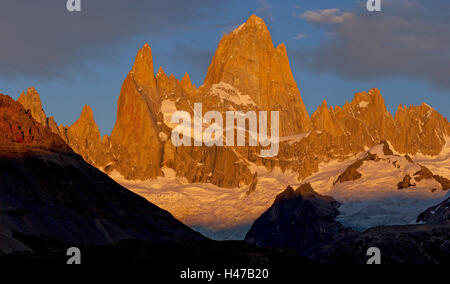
247,73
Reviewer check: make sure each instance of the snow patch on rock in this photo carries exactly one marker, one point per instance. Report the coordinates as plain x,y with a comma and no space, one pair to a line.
226,92
168,107
239,28
292,139
439,164
163,136
363,104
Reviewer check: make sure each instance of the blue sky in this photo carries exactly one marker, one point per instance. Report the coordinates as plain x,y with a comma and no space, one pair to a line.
336,48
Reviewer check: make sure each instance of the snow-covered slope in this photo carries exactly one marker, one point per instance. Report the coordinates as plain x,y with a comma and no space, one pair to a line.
375,198
440,164
219,213
371,200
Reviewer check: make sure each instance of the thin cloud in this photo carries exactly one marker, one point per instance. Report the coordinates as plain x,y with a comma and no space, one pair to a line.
295,12
326,16
407,39
266,10
300,36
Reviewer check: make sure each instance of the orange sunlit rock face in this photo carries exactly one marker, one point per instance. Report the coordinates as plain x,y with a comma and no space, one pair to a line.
22,134
32,101
246,73
247,59
136,131
366,120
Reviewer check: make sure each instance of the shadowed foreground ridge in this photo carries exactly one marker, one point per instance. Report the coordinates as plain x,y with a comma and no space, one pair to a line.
300,219
408,244
439,214
304,221
47,190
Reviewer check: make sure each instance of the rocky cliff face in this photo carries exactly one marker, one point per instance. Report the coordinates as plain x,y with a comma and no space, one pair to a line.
48,191
135,136
247,60
366,122
134,148
436,215
419,129
32,101
84,137
365,119
187,85
246,73
21,134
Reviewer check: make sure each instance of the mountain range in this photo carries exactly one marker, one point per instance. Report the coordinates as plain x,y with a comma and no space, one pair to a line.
383,169
246,73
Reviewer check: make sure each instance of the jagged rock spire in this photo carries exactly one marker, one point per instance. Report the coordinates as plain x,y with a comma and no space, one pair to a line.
247,59
32,101
186,84
136,130
142,71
